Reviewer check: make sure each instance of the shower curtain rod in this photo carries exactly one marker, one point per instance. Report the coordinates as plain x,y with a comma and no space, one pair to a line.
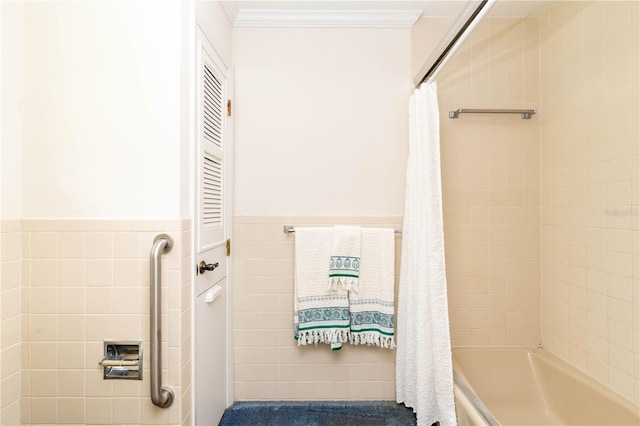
452,41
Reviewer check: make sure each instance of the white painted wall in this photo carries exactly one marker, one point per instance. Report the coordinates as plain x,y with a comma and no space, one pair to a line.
102,109
321,121
215,24
210,17
105,134
11,109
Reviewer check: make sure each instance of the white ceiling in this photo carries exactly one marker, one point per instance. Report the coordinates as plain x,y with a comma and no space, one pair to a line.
502,8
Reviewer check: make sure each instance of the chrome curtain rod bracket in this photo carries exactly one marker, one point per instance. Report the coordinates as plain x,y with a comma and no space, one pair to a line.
453,39
289,229
525,114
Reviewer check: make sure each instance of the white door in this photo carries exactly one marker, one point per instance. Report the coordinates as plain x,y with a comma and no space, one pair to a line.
212,233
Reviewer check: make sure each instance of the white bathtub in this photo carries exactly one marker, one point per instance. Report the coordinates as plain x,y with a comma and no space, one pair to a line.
519,386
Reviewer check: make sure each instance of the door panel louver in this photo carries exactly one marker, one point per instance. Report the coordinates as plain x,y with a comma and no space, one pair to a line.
212,155
212,108
211,192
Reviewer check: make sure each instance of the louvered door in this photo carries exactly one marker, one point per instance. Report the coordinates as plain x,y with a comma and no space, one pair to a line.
212,132
212,229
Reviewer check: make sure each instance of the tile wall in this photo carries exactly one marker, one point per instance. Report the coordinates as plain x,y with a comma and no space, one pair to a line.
590,191
490,178
10,368
86,281
268,363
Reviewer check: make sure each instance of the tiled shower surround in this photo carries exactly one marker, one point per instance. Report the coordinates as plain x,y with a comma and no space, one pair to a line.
490,180
84,281
590,162
541,215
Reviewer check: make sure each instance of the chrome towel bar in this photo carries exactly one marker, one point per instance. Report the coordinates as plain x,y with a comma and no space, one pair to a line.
289,229
525,114
162,397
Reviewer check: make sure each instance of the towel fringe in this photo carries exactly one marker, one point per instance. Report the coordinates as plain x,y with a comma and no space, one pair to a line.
347,284
308,337
372,339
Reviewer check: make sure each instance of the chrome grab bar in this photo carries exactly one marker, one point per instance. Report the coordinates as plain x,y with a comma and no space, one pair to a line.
162,397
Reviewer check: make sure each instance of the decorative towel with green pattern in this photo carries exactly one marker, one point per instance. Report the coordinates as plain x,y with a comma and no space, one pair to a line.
344,264
320,315
323,319
371,309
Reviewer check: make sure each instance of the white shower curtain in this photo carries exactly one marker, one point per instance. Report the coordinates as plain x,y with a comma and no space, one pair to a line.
424,378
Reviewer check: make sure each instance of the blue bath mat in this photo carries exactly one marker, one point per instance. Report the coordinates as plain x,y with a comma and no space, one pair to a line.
318,413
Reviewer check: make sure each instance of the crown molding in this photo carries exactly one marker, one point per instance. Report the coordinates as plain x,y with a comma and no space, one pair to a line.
326,18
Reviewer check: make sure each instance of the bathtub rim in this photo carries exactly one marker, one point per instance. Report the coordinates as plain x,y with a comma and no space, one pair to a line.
544,356
481,413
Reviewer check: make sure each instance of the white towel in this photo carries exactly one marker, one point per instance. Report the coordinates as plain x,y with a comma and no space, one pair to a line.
321,316
344,264
371,308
